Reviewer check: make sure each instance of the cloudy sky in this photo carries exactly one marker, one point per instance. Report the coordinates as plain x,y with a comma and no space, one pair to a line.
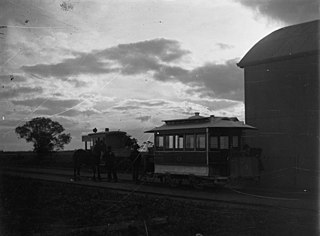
128,65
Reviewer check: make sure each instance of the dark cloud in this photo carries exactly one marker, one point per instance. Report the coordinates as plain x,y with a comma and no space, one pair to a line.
144,118
17,92
128,59
160,49
48,106
137,104
220,80
217,80
154,57
288,11
125,107
167,73
85,64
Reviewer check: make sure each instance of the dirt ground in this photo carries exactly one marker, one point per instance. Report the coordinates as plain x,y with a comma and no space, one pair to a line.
33,207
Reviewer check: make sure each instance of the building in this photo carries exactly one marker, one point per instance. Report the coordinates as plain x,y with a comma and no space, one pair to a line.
281,76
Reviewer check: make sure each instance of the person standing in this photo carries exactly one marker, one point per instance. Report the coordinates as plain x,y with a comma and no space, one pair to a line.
111,165
136,162
96,152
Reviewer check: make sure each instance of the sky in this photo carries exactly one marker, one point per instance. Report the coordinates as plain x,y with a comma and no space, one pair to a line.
128,64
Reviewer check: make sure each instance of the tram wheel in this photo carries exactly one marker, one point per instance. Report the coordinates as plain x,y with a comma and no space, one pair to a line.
195,182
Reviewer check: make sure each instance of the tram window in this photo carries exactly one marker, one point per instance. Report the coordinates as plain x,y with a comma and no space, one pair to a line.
181,142
169,142
224,142
178,142
190,141
159,141
214,144
201,141
235,141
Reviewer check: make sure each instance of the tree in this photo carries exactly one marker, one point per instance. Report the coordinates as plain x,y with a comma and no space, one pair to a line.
45,134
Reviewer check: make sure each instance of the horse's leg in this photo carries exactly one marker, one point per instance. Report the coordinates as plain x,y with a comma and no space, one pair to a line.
75,168
78,172
74,173
94,172
98,170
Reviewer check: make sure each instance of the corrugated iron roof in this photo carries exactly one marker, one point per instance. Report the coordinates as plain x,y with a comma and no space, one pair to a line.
211,122
287,42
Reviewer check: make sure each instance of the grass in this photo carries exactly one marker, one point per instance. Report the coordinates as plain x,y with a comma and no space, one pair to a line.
32,207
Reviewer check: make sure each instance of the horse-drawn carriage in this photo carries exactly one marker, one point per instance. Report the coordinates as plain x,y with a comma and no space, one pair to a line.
197,148
96,144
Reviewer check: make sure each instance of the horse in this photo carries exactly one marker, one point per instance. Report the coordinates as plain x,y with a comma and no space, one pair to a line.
88,158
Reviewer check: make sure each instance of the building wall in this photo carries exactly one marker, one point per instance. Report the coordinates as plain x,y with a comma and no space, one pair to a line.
282,101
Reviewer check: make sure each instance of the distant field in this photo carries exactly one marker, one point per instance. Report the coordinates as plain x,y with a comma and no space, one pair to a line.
61,159
56,159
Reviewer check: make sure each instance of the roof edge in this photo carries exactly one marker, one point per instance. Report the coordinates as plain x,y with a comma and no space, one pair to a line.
283,58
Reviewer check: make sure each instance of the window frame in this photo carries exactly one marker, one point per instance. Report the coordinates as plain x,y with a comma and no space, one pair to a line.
197,141
157,142
193,143
177,142
167,144
218,143
228,142
238,141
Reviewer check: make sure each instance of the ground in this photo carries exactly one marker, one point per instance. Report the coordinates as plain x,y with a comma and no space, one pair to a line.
34,207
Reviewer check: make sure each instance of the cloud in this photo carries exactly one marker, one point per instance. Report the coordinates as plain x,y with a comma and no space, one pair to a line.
16,92
144,118
7,79
48,106
76,82
288,11
155,57
134,104
218,80
75,112
128,59
224,46
83,64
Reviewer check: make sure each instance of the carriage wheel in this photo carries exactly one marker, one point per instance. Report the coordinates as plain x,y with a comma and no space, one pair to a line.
172,182
195,182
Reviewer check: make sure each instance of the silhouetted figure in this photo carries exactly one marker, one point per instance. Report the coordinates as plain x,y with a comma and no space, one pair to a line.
97,150
111,165
83,157
136,162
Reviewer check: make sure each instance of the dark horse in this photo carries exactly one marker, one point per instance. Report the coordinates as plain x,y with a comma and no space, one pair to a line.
88,158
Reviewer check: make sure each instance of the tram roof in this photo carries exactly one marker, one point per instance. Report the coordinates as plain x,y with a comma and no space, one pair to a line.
202,122
89,136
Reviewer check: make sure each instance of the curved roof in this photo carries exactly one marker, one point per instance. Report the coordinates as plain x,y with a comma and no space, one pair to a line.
207,122
285,43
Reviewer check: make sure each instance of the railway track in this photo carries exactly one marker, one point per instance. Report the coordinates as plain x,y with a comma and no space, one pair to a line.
153,188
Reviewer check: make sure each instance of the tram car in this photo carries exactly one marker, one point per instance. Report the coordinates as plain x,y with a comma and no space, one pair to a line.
119,141
204,148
